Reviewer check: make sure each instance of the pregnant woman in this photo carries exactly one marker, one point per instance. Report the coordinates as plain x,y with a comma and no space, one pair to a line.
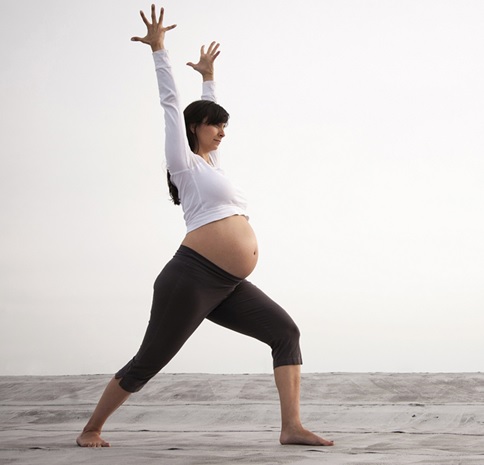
207,276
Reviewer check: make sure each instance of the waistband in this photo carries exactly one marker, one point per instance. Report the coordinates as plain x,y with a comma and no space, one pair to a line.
187,254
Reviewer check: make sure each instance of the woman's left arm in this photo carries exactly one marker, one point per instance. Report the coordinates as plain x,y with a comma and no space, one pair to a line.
205,67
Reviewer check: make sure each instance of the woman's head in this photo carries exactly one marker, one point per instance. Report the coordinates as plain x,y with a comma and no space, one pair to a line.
202,112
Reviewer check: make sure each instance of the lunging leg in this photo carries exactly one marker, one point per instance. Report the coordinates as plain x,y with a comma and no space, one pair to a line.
251,312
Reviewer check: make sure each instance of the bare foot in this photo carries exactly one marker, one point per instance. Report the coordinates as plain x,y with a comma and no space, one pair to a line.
91,439
303,437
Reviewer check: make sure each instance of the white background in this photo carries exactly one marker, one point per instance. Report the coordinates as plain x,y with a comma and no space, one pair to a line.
357,133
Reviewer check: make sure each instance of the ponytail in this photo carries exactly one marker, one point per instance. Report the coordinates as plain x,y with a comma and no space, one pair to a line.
173,189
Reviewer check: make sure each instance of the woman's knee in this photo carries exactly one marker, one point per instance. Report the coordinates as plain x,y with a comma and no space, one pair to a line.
134,375
285,348
290,333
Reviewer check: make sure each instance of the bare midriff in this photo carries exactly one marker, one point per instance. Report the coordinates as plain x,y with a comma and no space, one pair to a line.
229,243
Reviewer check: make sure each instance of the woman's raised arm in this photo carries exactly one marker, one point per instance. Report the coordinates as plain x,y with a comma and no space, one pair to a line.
205,67
177,152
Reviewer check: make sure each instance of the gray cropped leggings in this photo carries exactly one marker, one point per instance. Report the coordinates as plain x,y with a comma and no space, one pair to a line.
191,288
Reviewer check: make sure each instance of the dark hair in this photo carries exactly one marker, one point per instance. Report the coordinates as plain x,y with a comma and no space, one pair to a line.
197,113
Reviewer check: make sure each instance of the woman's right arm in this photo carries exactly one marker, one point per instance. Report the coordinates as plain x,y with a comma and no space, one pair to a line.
176,145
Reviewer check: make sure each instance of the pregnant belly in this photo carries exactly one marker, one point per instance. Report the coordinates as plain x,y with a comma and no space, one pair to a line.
229,243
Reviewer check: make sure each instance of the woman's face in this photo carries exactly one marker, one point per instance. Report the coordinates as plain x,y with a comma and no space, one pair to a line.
209,137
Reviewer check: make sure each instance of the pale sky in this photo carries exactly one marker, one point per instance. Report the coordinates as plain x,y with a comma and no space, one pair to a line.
356,131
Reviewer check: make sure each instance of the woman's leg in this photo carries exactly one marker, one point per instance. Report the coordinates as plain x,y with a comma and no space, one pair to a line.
288,381
113,397
249,311
184,293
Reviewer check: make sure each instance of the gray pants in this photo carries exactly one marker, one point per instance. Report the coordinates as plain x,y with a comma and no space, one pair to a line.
191,288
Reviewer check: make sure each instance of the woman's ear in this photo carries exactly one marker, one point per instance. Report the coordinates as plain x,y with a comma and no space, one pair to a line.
192,128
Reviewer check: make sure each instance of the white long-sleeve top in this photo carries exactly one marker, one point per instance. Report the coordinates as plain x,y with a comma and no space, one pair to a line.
206,194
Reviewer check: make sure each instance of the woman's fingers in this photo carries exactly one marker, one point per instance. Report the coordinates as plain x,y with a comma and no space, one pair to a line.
212,51
153,13
162,14
155,28
143,17
213,48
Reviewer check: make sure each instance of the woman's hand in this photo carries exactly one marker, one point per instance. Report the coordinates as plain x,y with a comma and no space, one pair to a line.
205,64
155,37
